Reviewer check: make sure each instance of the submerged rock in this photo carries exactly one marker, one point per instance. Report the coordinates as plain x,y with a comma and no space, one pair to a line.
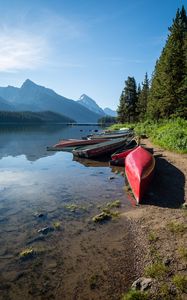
46,230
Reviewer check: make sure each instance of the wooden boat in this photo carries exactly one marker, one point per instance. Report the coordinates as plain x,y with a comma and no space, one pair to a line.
139,169
100,149
72,143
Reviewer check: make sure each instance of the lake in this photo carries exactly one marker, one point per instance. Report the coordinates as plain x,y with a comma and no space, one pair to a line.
47,202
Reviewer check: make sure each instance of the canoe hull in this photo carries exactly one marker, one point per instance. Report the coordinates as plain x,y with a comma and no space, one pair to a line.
100,149
72,143
139,169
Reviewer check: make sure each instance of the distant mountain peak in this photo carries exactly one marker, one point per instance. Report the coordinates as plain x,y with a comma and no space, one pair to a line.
28,83
90,104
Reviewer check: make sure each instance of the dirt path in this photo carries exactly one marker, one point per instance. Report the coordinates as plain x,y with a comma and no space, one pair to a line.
161,226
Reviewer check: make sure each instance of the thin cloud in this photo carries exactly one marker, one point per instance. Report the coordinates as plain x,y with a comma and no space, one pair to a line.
20,50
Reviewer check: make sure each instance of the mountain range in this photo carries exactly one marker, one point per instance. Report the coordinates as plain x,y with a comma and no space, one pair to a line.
36,98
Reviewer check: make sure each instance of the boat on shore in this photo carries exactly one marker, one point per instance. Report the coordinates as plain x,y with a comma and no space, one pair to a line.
100,149
112,134
139,169
63,145
118,158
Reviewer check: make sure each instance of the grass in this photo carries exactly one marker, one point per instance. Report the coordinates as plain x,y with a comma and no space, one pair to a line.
156,270
164,292
183,253
152,237
180,282
176,227
135,295
169,134
93,281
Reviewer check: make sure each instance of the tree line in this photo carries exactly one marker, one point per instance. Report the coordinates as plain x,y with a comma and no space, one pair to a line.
165,94
33,117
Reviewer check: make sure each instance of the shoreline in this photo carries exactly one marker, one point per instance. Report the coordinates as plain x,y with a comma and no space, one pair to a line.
159,225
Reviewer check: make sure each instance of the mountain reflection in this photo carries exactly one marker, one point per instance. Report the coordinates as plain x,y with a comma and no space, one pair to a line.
32,141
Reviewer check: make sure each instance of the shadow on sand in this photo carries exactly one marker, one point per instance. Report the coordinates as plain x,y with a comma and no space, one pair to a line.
167,187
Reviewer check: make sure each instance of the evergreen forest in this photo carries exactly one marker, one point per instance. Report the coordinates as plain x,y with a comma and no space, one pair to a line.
164,96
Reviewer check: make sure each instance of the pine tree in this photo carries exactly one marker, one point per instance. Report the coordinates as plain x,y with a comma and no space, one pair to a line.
128,101
169,82
143,98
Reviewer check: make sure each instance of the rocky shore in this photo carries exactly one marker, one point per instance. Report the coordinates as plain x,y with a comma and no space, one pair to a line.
160,224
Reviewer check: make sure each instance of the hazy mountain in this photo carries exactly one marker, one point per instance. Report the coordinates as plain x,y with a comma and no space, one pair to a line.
33,97
5,105
90,104
110,112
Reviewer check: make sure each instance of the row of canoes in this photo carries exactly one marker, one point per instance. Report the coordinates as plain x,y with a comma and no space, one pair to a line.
138,162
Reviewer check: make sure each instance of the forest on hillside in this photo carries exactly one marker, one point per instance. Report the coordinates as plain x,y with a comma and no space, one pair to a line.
33,117
164,96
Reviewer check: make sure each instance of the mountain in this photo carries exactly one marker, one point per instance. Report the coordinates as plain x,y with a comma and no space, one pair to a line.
33,97
90,104
5,105
110,112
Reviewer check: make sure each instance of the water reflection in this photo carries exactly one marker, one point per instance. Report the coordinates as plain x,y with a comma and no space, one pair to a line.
33,140
35,182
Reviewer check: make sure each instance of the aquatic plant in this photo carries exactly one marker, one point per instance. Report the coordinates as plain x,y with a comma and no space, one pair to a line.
103,216
57,225
116,203
27,253
75,207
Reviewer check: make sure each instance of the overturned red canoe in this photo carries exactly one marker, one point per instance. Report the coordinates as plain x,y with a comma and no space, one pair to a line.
139,168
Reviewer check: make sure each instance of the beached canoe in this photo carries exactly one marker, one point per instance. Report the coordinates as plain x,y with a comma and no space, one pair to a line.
139,169
72,143
100,149
118,158
111,135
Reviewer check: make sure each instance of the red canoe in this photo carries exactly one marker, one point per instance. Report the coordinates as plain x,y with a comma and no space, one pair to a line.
139,168
74,143
119,158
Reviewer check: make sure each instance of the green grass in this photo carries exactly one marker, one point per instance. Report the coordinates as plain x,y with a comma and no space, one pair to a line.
169,134
156,270
176,227
183,253
135,295
180,282
152,237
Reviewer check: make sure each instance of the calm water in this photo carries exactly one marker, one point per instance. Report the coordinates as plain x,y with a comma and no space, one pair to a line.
74,258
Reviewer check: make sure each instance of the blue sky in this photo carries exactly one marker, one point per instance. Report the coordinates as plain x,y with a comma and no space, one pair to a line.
82,46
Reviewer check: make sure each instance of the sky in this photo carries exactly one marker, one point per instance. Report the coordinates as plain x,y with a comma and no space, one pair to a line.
81,47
